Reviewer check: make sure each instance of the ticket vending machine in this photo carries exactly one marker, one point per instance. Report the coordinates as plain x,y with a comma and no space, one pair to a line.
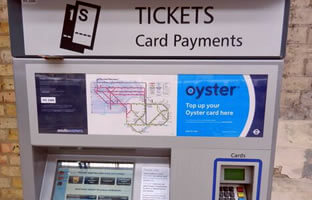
147,100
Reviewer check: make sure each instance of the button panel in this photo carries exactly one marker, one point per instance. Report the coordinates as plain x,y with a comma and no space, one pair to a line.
232,192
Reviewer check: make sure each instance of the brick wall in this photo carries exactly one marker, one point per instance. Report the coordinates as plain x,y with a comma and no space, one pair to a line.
293,177
294,151
296,95
10,180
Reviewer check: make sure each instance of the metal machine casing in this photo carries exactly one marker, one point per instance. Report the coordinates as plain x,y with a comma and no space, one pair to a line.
186,154
41,45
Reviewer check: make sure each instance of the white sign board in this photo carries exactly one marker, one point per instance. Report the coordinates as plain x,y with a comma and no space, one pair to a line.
198,28
155,183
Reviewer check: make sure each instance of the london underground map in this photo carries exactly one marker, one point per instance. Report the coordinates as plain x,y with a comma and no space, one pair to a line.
141,105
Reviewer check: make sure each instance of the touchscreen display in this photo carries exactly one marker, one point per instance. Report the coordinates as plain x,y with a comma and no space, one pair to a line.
93,181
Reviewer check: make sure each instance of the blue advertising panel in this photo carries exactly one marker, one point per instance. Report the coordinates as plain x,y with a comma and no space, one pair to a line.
221,105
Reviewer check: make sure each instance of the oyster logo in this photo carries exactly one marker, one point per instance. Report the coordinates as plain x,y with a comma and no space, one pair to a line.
80,26
211,90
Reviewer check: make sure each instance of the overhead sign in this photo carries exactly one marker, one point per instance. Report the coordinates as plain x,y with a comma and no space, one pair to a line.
199,28
152,105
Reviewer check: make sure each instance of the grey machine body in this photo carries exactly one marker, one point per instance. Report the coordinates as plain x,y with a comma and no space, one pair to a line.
195,162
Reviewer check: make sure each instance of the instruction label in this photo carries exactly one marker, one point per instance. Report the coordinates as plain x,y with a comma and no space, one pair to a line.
155,183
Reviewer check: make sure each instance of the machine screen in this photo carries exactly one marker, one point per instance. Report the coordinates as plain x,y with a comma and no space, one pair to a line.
234,174
93,181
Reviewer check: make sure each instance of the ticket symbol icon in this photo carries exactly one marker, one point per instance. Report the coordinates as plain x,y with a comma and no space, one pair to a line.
80,26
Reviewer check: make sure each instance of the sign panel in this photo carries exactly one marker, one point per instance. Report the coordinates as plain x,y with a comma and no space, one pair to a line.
132,104
221,105
152,105
61,103
215,28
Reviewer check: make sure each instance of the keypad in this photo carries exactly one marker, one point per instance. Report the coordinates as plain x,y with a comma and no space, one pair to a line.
240,189
232,192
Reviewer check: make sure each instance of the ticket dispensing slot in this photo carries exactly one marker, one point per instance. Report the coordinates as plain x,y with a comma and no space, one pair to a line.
238,180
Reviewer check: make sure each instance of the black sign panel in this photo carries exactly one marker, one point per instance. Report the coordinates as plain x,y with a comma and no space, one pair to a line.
61,103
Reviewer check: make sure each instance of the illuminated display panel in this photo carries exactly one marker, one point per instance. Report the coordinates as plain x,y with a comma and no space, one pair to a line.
93,181
234,174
